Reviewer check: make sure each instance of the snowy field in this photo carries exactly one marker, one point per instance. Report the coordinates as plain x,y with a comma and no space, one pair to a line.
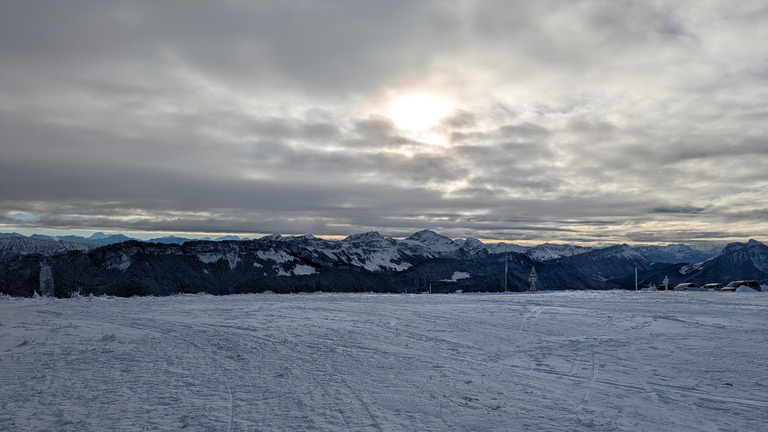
548,361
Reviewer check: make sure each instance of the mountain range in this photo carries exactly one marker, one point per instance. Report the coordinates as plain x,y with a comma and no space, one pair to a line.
673,253
424,261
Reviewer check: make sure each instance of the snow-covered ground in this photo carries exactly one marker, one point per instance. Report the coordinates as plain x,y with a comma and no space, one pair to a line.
548,361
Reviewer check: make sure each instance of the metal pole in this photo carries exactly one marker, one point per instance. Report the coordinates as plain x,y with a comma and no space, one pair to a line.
506,269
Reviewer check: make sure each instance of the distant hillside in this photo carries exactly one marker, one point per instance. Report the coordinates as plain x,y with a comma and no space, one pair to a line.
97,239
677,253
20,245
361,262
364,262
608,263
736,261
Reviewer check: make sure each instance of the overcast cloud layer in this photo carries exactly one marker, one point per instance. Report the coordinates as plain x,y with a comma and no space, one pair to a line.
597,122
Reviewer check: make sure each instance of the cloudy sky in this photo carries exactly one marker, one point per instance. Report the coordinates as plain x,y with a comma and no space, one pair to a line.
592,122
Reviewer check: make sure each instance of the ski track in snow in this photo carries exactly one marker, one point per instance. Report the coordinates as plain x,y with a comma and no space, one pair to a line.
555,361
161,327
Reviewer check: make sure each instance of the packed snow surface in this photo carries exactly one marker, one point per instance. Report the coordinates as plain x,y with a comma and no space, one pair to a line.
301,269
276,256
457,275
546,361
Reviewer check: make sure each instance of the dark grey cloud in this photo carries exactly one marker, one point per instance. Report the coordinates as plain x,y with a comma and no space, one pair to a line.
581,121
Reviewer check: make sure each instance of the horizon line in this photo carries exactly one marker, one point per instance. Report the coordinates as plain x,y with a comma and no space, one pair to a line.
214,236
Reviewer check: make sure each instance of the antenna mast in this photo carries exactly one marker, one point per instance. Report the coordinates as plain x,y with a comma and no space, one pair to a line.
532,278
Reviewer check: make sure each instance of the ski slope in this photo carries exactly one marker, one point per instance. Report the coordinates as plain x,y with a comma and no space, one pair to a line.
547,361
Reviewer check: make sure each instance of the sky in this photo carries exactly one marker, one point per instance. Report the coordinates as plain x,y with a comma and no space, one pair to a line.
587,122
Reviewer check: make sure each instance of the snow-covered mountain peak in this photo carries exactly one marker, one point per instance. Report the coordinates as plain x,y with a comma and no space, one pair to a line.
549,251
472,245
97,236
308,240
44,237
735,262
758,254
730,247
678,252
623,251
371,236
752,243
505,248
433,241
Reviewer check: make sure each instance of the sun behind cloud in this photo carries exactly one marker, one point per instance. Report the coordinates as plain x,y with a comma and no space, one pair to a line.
417,111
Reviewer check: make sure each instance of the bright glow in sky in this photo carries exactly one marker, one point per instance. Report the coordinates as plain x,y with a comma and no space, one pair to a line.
417,111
